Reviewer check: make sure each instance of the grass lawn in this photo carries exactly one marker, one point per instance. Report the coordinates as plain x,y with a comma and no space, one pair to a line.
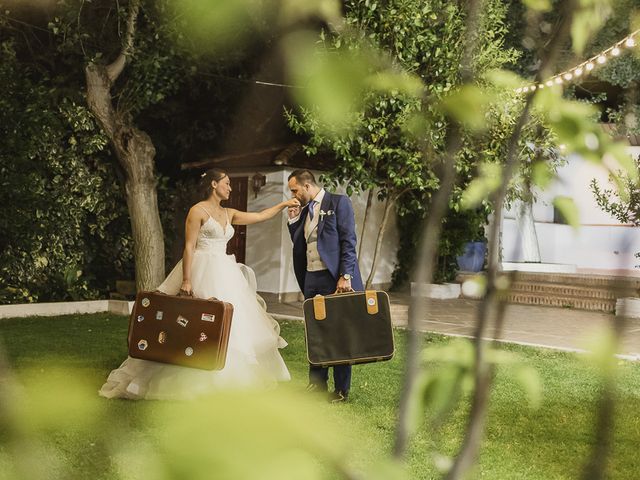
551,442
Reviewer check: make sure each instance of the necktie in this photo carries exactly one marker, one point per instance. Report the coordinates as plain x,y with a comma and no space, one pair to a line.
312,204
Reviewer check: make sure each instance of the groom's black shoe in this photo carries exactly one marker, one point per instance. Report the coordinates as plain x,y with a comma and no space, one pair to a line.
338,397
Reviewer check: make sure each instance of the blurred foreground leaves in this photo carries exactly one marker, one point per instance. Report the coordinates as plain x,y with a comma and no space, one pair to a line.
277,434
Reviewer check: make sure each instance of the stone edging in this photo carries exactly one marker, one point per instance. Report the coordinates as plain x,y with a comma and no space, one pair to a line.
118,307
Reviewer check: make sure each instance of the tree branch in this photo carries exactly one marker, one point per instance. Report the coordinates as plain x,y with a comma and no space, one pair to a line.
115,68
492,304
428,247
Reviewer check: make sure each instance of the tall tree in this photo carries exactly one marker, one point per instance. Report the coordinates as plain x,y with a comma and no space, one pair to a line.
136,153
398,140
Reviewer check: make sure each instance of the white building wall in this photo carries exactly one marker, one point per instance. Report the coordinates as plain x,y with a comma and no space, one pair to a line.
601,245
367,235
264,245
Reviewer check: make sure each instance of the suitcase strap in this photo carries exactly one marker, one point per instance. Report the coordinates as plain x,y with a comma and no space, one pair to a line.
372,301
320,308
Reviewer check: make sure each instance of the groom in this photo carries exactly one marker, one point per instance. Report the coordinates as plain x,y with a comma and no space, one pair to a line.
323,232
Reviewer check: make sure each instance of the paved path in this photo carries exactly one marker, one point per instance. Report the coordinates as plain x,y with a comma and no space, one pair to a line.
561,328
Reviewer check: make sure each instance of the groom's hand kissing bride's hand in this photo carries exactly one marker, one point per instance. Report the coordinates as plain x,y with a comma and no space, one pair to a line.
294,207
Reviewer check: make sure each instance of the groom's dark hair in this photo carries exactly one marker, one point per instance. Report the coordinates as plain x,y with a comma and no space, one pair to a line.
303,176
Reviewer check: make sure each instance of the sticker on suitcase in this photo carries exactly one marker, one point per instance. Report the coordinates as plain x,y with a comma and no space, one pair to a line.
208,317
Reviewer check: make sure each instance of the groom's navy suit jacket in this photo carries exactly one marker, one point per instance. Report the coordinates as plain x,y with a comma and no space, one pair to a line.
336,240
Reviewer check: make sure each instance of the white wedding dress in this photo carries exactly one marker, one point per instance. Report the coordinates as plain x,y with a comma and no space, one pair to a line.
253,359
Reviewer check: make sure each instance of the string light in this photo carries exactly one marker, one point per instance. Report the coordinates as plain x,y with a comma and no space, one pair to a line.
585,67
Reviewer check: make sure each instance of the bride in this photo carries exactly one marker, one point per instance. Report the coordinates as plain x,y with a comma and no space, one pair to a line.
205,271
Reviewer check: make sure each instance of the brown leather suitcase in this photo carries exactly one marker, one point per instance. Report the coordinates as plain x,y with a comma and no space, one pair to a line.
348,328
180,330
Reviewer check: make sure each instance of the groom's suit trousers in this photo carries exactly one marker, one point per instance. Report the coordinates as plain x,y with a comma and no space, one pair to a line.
323,283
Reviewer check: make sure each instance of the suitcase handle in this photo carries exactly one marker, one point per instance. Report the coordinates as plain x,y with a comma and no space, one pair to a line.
211,299
320,310
342,293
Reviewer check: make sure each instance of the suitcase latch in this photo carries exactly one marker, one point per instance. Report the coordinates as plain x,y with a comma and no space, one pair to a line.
372,302
319,308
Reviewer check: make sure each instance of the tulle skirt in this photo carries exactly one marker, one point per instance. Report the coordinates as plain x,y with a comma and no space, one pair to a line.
253,357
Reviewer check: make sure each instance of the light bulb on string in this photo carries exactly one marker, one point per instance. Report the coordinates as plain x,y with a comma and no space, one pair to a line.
585,67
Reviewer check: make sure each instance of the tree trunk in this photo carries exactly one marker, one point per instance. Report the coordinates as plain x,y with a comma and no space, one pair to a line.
383,227
364,220
135,153
148,240
527,230
493,305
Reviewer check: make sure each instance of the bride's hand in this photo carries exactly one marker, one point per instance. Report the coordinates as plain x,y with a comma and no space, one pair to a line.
185,289
294,207
292,202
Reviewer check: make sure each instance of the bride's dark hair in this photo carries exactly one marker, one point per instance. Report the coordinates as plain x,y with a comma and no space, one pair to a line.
214,174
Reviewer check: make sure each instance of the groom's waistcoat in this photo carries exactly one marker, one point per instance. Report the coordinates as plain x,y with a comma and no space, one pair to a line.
314,262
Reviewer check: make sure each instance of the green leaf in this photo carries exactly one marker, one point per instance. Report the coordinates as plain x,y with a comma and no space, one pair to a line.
389,81
538,5
620,154
601,343
468,105
542,174
333,81
481,187
529,378
587,20
504,79
213,25
568,209
387,469
294,12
